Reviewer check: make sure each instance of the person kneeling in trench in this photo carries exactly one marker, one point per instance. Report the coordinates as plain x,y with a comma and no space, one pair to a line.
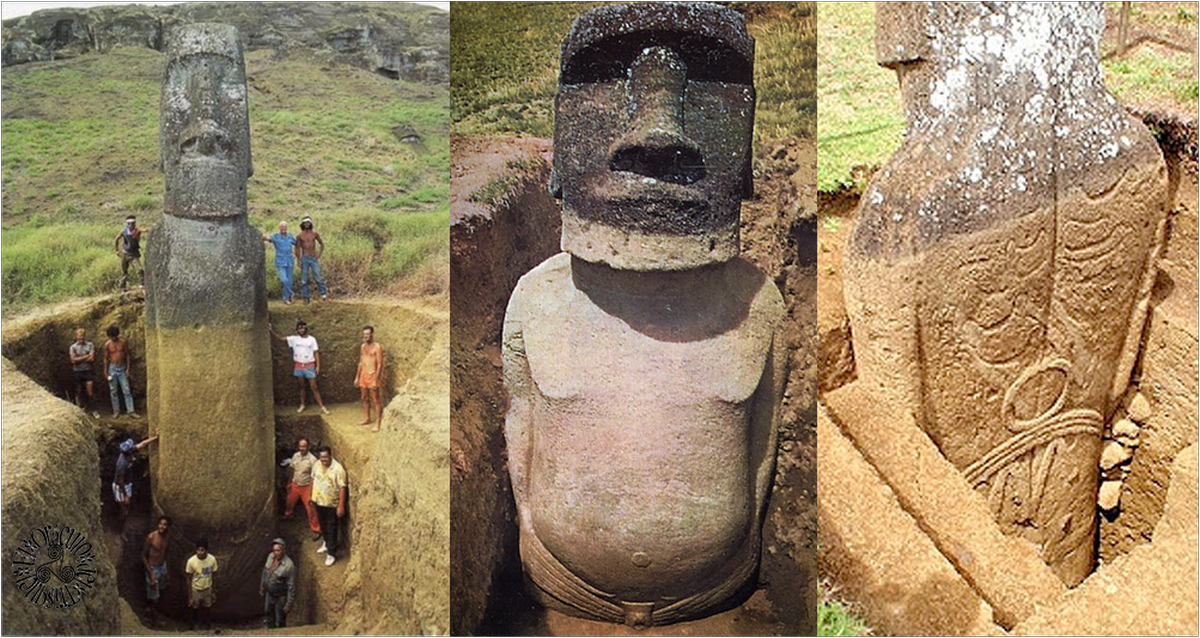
203,593
329,495
278,586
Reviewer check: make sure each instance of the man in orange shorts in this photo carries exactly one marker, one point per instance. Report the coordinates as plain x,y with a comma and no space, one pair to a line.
300,487
370,370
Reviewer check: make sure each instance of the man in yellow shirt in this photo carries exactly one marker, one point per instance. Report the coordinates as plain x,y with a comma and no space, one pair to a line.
329,495
200,570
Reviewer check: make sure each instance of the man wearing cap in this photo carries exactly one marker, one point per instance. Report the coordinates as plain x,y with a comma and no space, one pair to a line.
286,253
278,585
122,485
310,247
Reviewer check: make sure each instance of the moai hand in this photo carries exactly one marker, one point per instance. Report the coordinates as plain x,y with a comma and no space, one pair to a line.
998,273
643,365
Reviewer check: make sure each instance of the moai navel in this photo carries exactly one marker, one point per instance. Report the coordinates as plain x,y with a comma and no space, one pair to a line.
998,273
208,357
643,364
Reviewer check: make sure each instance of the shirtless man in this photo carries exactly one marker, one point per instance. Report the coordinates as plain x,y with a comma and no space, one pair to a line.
154,559
117,363
370,369
310,246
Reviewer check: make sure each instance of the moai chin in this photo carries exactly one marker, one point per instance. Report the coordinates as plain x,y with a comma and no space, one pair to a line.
998,274
643,364
208,357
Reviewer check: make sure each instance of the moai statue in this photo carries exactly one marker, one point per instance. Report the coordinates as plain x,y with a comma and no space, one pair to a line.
208,357
998,275
644,365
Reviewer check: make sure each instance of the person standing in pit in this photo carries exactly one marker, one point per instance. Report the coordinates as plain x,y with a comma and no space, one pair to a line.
285,258
117,364
300,487
82,354
154,560
278,585
370,371
122,485
306,360
329,495
310,247
203,593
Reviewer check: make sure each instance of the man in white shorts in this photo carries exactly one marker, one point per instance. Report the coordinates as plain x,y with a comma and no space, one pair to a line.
306,358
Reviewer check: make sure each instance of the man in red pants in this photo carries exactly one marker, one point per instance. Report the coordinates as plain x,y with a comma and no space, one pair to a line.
300,487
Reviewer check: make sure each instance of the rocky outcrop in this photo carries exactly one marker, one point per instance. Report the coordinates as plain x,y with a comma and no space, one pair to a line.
401,41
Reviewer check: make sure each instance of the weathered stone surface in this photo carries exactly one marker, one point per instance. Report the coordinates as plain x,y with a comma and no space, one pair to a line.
1139,408
1005,571
880,557
1125,428
643,371
999,272
402,41
1113,455
1109,496
50,478
1151,591
208,351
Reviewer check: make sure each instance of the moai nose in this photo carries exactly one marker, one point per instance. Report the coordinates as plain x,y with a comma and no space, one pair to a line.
656,145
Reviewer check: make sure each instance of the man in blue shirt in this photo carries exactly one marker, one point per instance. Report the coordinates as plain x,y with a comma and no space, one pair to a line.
285,258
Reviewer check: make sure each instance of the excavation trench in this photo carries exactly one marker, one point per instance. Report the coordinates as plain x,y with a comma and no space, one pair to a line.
390,575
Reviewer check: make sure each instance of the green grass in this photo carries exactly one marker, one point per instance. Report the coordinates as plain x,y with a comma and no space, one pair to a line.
833,619
1153,75
80,152
861,119
505,58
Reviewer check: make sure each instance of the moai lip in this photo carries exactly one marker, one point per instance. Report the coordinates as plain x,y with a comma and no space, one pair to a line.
997,275
642,365
206,320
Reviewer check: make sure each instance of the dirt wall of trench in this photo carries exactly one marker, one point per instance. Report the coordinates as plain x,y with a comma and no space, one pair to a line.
50,477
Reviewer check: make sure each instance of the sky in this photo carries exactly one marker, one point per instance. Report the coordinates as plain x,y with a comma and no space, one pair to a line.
17,9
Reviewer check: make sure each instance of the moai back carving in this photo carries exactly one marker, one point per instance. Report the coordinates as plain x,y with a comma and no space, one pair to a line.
643,367
999,270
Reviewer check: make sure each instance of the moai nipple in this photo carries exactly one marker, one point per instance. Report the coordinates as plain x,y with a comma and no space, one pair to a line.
655,145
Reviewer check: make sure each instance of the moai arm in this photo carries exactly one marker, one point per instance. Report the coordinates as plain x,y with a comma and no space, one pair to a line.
764,424
518,421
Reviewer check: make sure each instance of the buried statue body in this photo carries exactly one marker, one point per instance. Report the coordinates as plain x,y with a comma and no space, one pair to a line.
998,276
208,358
642,364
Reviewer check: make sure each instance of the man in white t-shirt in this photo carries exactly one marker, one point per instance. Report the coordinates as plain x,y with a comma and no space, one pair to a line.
306,358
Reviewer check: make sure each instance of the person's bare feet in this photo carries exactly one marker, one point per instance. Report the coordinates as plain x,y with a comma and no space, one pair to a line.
367,422
376,428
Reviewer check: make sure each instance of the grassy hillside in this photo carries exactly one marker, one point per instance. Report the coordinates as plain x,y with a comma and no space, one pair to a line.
80,152
861,117
504,66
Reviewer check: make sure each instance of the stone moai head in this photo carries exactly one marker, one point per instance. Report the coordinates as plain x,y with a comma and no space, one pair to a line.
205,123
652,135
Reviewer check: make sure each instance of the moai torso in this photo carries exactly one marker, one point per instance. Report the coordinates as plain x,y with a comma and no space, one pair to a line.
642,366
998,272
208,358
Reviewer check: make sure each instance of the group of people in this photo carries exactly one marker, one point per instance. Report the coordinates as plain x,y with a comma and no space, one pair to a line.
305,249
306,362
116,361
318,481
306,367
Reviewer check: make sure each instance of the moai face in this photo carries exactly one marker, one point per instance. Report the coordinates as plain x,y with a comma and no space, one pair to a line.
205,128
652,137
